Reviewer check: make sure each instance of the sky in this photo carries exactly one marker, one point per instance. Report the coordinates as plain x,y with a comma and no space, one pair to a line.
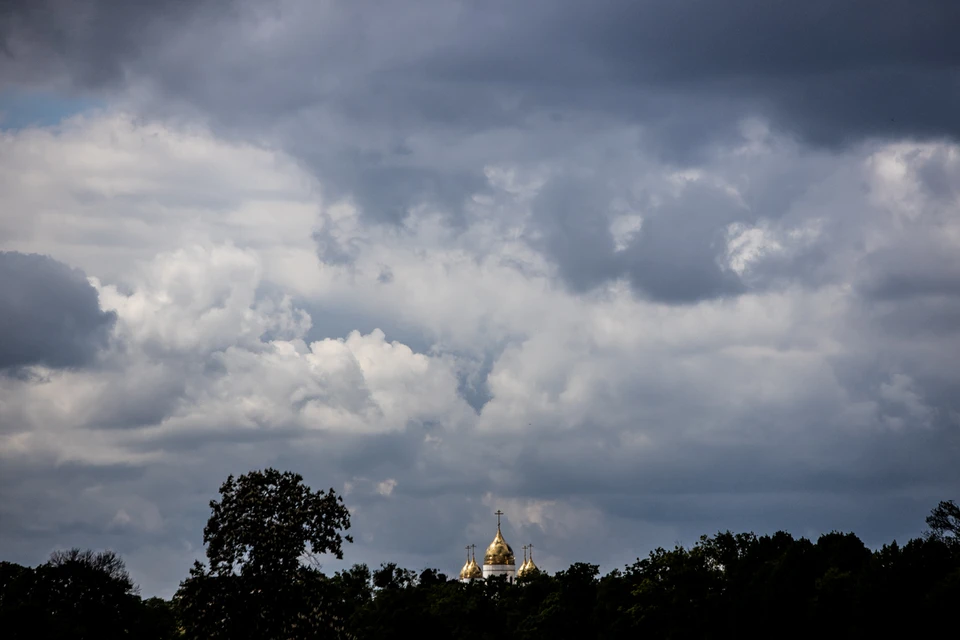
631,272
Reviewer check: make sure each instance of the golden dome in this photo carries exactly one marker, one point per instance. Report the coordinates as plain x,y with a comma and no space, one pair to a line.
499,552
528,568
466,565
523,567
472,570
522,570
531,568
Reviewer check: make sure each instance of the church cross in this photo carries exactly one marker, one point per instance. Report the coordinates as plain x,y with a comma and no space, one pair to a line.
498,514
530,546
473,548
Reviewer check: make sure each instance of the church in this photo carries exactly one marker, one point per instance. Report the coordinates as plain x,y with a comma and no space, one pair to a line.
497,561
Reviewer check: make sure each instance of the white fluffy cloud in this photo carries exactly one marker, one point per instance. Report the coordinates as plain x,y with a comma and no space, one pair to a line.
105,191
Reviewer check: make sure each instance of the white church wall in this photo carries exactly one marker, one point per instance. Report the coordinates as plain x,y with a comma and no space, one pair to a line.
508,570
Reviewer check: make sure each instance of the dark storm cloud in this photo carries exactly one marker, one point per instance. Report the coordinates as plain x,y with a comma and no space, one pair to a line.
49,314
676,258
86,43
27,481
396,106
916,267
830,72
572,214
911,290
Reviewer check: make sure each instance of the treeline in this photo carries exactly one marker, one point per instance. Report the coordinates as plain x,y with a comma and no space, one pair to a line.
79,594
261,581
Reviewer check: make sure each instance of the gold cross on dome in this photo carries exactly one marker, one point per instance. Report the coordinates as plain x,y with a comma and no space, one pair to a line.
498,514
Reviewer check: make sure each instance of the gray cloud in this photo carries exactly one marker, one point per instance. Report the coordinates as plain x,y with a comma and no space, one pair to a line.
677,255
917,267
812,388
828,72
51,314
398,107
83,44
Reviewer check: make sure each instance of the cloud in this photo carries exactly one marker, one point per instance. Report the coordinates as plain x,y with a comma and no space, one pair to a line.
624,274
103,191
413,106
51,314
821,70
81,43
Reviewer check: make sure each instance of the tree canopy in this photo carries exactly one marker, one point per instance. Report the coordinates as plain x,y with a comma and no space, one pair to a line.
77,595
944,522
258,587
265,521
260,531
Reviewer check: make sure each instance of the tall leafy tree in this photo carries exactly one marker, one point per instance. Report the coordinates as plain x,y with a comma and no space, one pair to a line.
260,531
266,521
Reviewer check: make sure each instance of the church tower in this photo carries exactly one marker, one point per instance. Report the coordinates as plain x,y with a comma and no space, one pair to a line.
499,560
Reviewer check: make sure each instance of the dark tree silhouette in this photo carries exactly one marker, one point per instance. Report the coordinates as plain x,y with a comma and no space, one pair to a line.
265,521
944,522
77,595
262,527
727,585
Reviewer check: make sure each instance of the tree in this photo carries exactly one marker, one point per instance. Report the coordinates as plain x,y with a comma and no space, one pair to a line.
76,594
264,524
158,620
944,522
106,562
677,593
266,521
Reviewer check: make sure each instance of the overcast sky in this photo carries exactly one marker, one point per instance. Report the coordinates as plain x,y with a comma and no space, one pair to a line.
629,271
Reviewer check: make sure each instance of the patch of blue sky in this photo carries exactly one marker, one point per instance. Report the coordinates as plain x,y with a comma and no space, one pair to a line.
21,108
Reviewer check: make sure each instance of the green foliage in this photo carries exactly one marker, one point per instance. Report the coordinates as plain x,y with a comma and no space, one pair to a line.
257,587
944,522
265,521
728,585
77,595
301,604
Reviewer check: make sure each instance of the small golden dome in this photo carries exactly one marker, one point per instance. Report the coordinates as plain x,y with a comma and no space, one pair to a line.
523,567
531,568
528,568
472,570
499,552
522,570
467,570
